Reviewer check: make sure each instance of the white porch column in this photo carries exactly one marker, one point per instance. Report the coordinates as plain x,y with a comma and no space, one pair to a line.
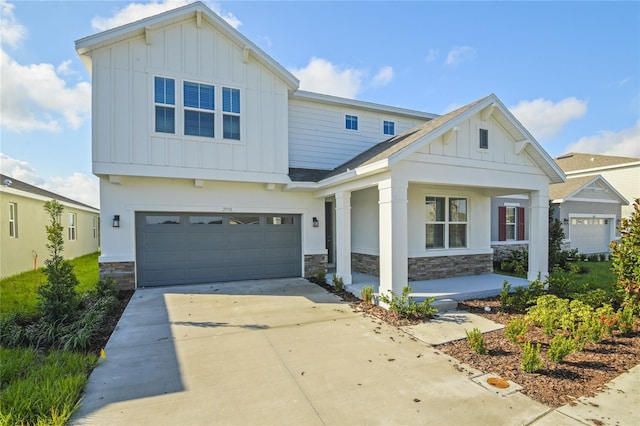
343,236
538,235
393,235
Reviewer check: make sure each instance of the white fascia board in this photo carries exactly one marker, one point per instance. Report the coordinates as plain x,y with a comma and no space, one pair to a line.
86,44
603,168
42,198
603,181
335,100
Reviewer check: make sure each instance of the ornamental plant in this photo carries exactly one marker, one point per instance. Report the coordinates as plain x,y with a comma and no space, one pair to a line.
625,257
476,341
404,305
367,294
531,361
560,347
516,329
338,283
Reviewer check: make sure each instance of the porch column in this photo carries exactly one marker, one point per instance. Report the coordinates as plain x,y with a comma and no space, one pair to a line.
538,235
393,235
343,236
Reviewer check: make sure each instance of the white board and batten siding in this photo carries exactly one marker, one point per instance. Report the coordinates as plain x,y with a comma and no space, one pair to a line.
124,137
318,138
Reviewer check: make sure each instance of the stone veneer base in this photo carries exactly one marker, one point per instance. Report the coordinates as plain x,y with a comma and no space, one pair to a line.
124,273
313,263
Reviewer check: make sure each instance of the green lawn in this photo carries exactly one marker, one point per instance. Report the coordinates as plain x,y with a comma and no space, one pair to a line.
598,275
19,291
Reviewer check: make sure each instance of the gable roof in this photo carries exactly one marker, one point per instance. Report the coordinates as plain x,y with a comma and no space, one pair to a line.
196,10
18,185
403,144
575,161
561,192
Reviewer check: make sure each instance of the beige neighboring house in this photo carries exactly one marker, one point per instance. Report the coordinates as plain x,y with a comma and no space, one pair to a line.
623,173
23,239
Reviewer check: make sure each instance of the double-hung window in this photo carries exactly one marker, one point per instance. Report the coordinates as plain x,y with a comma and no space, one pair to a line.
96,225
165,101
388,128
72,226
446,222
13,220
351,122
198,109
511,223
230,113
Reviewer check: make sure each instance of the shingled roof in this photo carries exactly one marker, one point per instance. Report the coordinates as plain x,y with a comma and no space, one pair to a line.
578,161
562,191
25,187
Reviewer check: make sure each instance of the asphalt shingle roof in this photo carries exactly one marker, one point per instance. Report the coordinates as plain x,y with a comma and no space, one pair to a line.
577,161
558,191
23,186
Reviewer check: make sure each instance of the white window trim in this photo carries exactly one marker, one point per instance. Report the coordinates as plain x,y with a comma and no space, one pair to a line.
72,226
344,122
223,112
394,128
13,220
448,222
184,108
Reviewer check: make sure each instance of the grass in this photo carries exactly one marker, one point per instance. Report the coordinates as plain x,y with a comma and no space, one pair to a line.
19,291
41,389
597,275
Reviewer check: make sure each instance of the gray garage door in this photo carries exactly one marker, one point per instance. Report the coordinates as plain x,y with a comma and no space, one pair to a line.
187,248
590,235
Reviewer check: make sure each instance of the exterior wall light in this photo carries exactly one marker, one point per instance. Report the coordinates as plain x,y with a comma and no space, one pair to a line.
116,221
316,223
566,221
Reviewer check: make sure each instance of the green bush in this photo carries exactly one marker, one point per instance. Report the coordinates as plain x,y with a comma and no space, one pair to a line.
476,341
321,275
516,262
625,256
594,298
367,294
560,347
523,297
515,330
405,307
548,313
626,319
531,361
338,283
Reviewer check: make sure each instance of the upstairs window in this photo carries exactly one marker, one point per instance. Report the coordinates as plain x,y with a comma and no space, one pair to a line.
96,227
13,220
165,101
389,128
351,122
484,139
198,109
72,226
231,113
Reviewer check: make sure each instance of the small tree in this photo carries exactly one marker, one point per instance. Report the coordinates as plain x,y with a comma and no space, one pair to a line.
556,235
625,257
57,298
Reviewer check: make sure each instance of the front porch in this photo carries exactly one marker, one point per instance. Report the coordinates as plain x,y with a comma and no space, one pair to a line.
456,289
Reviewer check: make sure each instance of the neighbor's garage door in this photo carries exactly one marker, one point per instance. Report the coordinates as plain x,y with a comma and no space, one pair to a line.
186,248
590,235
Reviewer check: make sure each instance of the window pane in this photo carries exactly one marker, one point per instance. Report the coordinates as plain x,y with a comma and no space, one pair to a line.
205,220
484,138
158,89
198,123
162,220
244,220
165,120
231,100
191,95
389,128
458,209
435,235
231,127
164,91
280,220
511,215
457,235
510,232
351,122
435,209
206,97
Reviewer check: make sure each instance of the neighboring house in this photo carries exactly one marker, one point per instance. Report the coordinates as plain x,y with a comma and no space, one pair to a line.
218,168
589,209
623,173
23,240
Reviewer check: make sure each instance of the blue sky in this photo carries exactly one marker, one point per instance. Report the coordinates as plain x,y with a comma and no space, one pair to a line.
569,71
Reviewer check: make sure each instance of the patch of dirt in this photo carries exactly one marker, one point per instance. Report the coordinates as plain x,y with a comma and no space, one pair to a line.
580,374
107,328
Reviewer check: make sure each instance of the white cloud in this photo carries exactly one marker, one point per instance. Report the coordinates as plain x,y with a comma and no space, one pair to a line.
322,76
11,32
460,54
79,187
544,118
384,77
137,11
625,143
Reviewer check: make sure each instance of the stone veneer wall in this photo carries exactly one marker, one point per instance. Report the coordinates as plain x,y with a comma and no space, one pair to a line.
365,263
124,273
313,263
501,251
431,268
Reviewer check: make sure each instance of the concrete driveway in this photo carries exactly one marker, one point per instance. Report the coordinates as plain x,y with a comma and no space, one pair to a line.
279,352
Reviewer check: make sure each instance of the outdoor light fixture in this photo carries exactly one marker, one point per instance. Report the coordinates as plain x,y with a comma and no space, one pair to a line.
566,221
315,222
116,221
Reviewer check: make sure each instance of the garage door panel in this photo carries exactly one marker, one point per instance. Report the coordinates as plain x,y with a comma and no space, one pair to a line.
590,235
212,247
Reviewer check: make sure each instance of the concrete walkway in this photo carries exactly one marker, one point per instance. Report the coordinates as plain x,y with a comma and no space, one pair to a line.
278,352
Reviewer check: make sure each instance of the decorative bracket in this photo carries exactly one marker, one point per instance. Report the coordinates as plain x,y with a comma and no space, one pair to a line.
449,135
488,111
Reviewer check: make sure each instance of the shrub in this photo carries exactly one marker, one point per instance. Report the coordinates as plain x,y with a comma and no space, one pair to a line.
548,312
338,283
106,288
594,298
321,276
476,341
593,257
625,256
626,319
563,282
367,294
516,261
404,306
560,347
515,330
57,298
521,298
531,361
556,235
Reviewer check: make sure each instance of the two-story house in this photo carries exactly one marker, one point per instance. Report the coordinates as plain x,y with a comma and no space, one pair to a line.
218,168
